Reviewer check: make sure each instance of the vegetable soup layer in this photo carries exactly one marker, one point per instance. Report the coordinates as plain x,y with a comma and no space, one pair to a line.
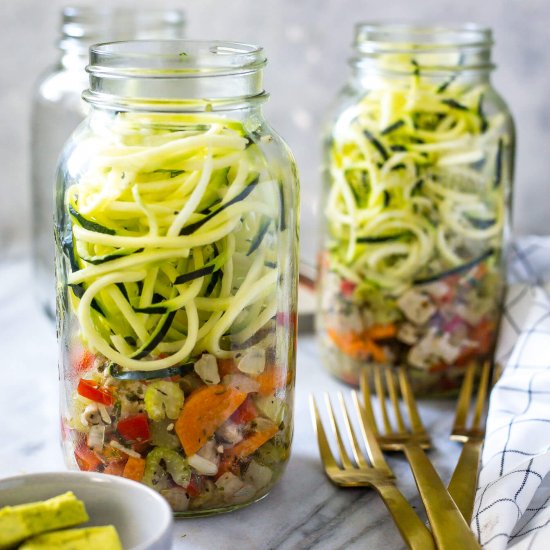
180,362
418,177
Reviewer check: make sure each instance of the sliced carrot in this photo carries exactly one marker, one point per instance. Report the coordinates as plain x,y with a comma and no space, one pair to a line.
204,411
375,351
86,459
115,468
359,346
134,468
227,366
381,332
251,443
273,378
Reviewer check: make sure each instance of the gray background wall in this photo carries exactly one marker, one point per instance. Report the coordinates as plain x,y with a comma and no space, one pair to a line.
307,42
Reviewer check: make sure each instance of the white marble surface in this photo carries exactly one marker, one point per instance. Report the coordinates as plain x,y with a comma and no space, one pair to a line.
303,512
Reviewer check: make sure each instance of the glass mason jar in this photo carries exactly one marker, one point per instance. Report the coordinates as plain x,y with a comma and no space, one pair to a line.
176,261
418,166
58,109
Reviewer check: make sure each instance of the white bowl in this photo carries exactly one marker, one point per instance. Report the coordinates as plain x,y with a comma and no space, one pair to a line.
141,516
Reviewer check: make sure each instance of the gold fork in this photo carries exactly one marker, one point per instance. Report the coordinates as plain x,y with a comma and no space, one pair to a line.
393,440
449,528
360,473
462,486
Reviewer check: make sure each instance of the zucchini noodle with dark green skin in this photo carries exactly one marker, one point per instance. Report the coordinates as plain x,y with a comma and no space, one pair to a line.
417,184
408,173
164,226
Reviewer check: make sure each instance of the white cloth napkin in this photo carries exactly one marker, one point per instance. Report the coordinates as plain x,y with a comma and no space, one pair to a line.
512,507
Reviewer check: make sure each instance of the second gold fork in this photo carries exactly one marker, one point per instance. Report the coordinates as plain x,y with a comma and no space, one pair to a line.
450,530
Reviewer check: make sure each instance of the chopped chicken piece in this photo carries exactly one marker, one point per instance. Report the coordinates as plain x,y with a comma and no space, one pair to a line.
230,432
253,361
416,306
209,451
229,483
408,334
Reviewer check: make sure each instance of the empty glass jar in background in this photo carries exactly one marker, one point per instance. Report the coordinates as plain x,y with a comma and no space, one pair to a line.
418,166
176,258
58,109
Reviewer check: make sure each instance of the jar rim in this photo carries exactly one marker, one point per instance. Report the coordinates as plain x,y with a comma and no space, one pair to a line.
395,37
436,49
174,58
172,74
84,25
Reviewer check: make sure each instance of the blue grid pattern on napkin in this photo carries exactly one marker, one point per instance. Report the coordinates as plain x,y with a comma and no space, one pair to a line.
512,505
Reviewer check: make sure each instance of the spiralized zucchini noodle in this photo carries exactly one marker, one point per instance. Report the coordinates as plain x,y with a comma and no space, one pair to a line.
171,241
416,171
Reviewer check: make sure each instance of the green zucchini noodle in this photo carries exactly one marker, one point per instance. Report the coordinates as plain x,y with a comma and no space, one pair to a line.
418,172
413,191
172,240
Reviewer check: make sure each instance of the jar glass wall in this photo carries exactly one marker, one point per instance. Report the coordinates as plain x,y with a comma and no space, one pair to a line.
58,109
176,258
418,175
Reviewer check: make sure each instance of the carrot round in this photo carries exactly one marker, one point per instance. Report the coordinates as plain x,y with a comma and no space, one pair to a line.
204,411
381,332
134,468
252,443
272,379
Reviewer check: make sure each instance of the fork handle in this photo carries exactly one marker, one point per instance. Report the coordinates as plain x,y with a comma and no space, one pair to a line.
450,530
462,486
411,527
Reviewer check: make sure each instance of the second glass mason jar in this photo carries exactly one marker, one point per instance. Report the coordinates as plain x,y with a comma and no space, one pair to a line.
58,109
418,176
176,258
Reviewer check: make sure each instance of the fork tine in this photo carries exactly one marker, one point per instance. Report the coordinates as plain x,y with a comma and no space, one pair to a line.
382,399
464,398
410,401
357,453
481,394
346,462
324,448
392,390
373,449
367,399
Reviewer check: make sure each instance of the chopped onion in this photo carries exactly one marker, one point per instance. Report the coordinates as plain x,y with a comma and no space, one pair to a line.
177,498
258,475
241,382
202,465
253,361
96,437
207,368
244,494
103,413
122,448
229,483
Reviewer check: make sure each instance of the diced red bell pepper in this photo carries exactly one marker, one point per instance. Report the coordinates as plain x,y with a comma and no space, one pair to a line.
347,288
245,413
134,428
227,464
83,362
194,489
86,459
93,391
